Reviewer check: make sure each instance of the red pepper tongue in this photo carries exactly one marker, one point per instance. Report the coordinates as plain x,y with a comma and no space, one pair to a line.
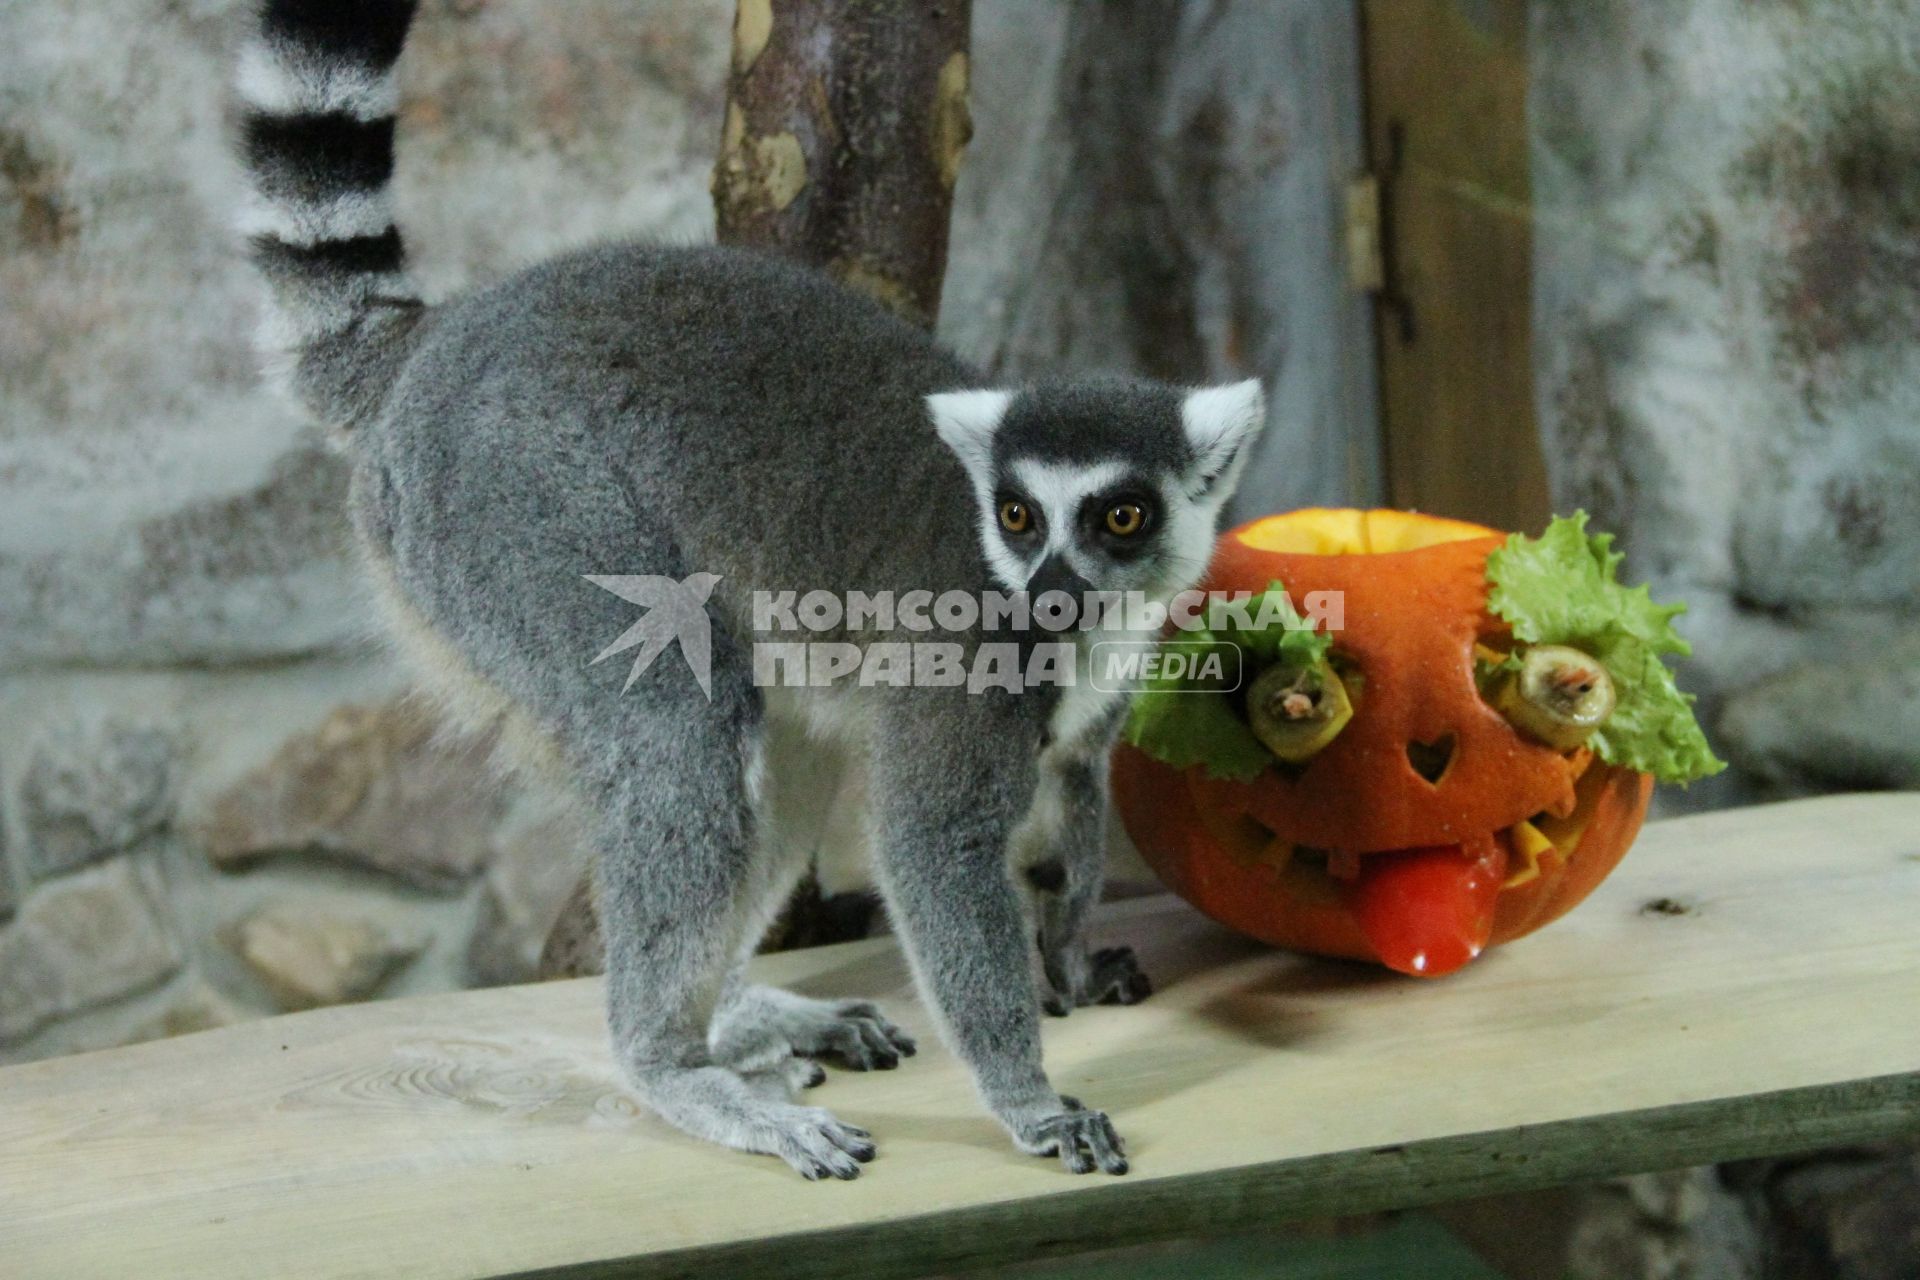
1428,911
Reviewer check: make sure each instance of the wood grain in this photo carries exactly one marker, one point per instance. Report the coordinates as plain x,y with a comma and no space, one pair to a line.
1447,134
1744,985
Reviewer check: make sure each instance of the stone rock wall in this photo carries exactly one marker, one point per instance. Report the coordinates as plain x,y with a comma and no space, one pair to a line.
190,847
216,800
1727,200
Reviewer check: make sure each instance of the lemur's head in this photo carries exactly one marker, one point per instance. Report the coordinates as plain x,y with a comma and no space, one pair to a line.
1100,486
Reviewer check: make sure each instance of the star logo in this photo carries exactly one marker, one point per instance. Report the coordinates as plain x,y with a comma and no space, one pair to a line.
675,611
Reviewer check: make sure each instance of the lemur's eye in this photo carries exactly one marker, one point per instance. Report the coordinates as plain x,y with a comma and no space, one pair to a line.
1014,516
1124,519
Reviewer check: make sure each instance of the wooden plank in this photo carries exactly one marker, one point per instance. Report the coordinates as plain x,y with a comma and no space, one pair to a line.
1447,131
1764,1007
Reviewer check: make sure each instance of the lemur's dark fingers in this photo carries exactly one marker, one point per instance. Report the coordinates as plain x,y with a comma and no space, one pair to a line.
1085,1140
905,1045
892,1036
850,1045
879,1046
818,1146
853,1140
877,1030
1109,1150
1117,978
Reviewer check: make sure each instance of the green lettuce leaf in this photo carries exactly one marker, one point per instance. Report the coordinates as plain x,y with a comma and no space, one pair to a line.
1561,588
1182,723
1286,636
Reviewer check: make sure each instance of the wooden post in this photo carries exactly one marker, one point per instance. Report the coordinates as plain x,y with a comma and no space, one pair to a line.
1447,124
846,121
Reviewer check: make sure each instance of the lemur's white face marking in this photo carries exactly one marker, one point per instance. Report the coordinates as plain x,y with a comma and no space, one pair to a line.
1047,487
1100,486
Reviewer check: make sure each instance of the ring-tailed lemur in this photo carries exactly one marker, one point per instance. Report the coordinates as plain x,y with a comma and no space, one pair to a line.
705,411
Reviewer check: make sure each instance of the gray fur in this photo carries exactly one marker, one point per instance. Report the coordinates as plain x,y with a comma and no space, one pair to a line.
1062,845
639,410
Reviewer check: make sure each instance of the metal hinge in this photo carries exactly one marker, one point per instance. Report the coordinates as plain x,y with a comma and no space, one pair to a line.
1372,264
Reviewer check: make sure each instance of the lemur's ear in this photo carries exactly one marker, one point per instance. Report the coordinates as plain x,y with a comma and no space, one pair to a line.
1220,423
966,420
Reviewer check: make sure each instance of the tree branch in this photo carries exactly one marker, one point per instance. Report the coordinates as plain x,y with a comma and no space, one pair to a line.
846,122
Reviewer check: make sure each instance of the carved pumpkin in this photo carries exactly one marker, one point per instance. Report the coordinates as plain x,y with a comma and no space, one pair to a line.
1429,826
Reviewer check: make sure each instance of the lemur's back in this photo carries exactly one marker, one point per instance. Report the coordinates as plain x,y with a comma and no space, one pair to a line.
717,390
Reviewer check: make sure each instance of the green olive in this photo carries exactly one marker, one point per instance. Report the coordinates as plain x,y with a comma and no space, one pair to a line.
1559,695
1297,711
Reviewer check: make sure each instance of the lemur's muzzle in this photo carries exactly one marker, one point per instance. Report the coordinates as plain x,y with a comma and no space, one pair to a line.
1056,575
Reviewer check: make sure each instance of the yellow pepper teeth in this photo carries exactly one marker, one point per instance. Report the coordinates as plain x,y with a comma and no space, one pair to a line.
1529,846
1277,854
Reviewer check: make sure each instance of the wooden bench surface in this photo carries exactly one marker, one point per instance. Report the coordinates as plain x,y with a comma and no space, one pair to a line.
1748,983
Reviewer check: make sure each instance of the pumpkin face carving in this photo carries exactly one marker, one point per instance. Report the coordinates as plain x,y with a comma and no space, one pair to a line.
1429,826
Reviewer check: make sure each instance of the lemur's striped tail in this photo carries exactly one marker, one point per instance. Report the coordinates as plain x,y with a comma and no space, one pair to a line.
317,95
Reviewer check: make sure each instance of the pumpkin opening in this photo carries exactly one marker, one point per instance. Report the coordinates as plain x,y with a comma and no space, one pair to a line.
1321,531
1430,759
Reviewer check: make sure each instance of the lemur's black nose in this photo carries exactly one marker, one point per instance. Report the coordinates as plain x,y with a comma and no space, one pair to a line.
1055,574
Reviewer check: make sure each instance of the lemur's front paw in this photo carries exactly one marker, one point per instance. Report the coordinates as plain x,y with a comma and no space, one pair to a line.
1111,975
1083,1139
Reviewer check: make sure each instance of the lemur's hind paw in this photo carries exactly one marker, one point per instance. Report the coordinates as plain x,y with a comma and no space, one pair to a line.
817,1145
853,1034
765,1023
748,1113
1111,975
785,1078
1084,1140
